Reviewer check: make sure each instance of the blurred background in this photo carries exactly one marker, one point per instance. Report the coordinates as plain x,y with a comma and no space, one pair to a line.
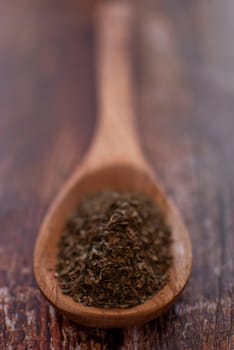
183,57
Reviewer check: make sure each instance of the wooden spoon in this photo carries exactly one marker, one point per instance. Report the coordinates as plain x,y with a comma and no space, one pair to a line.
114,162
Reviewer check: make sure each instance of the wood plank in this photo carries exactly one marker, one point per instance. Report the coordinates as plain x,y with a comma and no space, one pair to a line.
184,64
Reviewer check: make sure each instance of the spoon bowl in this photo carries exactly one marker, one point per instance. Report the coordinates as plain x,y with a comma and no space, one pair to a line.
121,178
112,165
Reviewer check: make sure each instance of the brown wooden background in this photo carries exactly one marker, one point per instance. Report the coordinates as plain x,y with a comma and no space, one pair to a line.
184,58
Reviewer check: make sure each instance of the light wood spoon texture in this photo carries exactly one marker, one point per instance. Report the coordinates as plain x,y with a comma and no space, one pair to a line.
114,161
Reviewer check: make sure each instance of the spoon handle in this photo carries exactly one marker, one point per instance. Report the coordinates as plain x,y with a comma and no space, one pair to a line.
116,133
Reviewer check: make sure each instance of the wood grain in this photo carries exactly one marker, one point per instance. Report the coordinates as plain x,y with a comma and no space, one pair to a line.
184,64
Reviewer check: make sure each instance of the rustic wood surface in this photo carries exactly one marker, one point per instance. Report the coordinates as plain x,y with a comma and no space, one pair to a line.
184,59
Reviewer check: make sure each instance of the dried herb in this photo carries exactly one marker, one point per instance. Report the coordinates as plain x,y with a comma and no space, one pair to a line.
114,251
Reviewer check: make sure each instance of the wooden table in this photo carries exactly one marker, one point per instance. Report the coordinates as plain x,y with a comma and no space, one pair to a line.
184,60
